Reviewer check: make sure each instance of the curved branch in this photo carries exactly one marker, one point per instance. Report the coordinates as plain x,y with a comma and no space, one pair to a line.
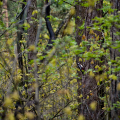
49,26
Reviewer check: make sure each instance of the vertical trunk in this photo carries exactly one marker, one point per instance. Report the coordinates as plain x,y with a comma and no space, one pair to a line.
114,53
87,84
32,32
19,37
5,12
33,28
5,17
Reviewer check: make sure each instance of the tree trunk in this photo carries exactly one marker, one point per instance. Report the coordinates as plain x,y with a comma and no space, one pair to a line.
19,38
32,31
5,16
114,53
5,12
87,86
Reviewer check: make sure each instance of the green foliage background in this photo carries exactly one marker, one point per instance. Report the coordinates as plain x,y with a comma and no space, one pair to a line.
58,75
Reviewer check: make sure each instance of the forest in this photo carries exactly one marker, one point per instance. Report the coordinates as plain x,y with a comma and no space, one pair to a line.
59,60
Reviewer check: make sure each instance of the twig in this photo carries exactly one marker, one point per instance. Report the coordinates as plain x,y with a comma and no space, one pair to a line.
68,3
60,111
21,12
61,25
17,1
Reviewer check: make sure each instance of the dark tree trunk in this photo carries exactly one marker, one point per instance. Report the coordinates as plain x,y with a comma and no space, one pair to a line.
114,53
87,84
19,37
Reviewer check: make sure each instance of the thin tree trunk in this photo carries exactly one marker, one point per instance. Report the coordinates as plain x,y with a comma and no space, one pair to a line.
114,53
19,38
32,31
87,86
5,17
5,12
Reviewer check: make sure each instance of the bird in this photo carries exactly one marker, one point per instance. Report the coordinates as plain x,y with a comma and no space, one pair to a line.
80,67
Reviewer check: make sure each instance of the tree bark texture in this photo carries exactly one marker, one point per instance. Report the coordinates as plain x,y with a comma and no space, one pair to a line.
5,16
87,86
114,54
19,37
32,31
5,12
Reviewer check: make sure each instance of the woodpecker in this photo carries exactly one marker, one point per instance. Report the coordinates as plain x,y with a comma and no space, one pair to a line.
80,67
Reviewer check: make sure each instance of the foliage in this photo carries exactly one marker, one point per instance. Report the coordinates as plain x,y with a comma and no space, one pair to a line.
57,75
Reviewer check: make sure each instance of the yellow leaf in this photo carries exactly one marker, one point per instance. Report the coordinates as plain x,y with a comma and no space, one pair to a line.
68,111
92,62
118,86
98,83
70,61
34,12
25,85
81,117
105,34
19,70
87,96
23,93
51,52
91,31
53,62
92,74
46,36
71,23
8,101
107,88
97,67
20,116
11,116
29,115
113,77
91,2
93,105
80,59
80,44
72,11
97,38
101,79
91,48
81,96
26,25
97,77
68,30
1,3
34,86
104,108
9,41
17,78
0,96
23,41
15,95
31,47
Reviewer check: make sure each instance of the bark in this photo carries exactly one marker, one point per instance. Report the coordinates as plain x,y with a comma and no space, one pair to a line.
5,16
19,38
88,84
5,12
114,53
32,31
